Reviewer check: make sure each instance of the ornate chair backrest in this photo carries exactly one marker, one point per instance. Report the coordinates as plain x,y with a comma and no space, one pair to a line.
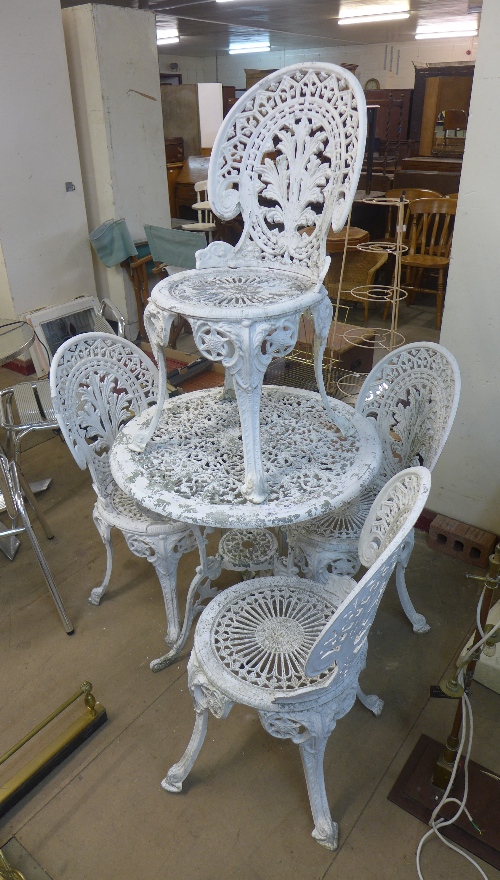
432,226
392,515
288,157
413,395
98,382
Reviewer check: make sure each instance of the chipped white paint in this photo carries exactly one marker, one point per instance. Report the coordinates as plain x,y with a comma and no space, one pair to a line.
193,468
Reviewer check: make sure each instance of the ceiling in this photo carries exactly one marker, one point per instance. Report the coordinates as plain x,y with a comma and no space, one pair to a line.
206,27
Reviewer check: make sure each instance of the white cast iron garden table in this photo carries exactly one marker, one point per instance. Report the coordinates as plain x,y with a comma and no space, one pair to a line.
193,468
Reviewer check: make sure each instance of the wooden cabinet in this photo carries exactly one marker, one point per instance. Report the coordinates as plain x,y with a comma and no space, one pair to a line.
393,114
228,98
173,171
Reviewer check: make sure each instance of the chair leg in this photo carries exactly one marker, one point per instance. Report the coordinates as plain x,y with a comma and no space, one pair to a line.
105,532
371,701
312,752
35,506
165,558
68,626
417,620
178,772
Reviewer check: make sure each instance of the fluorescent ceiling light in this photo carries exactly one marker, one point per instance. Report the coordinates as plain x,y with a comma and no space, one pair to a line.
166,35
373,12
242,48
435,30
432,35
366,19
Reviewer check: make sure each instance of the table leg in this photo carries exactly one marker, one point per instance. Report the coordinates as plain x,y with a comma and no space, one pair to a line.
199,590
322,316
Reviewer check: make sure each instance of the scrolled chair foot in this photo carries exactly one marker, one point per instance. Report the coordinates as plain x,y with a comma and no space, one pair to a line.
172,782
371,701
420,624
162,662
95,596
327,836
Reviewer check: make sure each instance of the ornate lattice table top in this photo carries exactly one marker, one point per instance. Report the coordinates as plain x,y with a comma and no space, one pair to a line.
193,467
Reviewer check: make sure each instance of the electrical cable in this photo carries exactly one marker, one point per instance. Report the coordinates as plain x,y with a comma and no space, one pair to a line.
438,823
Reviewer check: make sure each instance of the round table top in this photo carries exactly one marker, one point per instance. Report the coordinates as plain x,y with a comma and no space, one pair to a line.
193,468
15,337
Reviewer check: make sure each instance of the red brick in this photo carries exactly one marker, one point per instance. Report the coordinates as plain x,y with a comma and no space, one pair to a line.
461,540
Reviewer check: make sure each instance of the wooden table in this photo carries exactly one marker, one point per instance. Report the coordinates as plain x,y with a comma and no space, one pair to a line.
335,240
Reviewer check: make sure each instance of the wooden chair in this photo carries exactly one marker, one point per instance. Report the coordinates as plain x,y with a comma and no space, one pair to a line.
205,222
431,232
410,194
360,269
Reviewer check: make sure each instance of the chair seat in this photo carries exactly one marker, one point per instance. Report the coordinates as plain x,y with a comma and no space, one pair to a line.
425,261
260,634
198,227
214,292
122,512
33,404
344,525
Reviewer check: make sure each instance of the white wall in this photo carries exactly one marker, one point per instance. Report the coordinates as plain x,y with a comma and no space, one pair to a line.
466,480
113,65
379,60
210,110
45,253
192,68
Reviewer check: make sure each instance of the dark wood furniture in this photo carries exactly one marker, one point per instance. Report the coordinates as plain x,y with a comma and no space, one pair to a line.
195,168
173,171
393,115
444,182
448,84
228,98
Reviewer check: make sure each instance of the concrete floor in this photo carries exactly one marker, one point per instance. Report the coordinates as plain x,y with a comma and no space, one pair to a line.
244,812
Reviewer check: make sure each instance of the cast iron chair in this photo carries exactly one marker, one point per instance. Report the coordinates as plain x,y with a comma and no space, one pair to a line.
413,395
27,406
10,487
287,157
293,650
98,382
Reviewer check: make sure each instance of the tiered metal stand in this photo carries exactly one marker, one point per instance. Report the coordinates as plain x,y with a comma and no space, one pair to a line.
388,338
